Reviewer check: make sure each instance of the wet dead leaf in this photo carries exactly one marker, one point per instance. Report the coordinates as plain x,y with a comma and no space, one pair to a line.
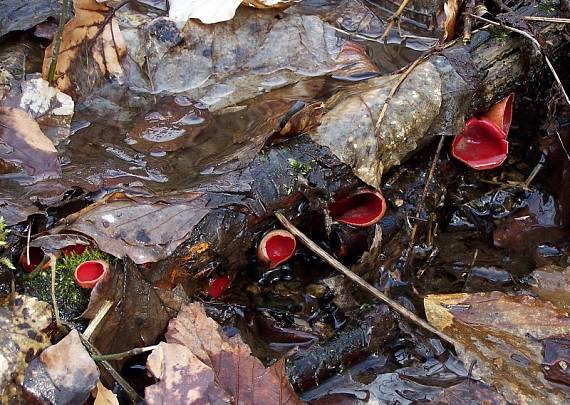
63,374
199,363
22,322
139,314
91,33
52,109
144,229
503,335
552,283
23,143
105,396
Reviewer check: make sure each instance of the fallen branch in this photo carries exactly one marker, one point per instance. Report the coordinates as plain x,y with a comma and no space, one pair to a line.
396,16
359,280
123,355
537,46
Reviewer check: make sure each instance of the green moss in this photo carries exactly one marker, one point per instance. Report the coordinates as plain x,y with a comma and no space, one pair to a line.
500,33
300,167
71,299
4,231
548,6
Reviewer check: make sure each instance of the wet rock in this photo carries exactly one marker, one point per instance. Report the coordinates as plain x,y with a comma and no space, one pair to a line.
552,283
556,362
19,15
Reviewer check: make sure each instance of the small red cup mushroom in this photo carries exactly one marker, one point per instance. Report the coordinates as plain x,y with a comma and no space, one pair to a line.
483,143
218,285
78,249
276,247
361,209
36,257
88,273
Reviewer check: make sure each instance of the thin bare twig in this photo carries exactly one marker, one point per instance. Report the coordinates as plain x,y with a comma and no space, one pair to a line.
395,17
468,21
97,319
536,45
563,146
28,242
422,201
123,355
135,398
548,19
359,280
395,88
57,41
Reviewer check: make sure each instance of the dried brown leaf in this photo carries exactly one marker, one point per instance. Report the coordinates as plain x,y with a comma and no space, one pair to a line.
503,335
23,143
451,12
92,33
199,364
138,316
22,322
63,374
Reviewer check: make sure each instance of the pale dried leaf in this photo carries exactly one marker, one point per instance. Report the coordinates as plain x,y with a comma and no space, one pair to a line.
63,374
207,11
90,30
503,334
22,322
23,143
269,3
105,396
197,345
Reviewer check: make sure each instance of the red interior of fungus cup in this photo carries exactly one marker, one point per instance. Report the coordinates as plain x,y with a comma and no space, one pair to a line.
361,209
36,257
89,271
279,248
218,286
276,247
481,146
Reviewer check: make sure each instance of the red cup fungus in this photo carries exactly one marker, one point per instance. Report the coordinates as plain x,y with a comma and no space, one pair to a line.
78,249
218,285
361,209
276,247
88,273
483,143
36,257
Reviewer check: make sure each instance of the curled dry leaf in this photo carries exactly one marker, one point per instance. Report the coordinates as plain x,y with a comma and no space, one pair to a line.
63,374
22,322
207,11
22,143
200,364
450,12
504,335
93,31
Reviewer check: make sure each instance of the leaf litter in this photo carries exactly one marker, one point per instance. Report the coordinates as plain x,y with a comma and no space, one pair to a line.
191,131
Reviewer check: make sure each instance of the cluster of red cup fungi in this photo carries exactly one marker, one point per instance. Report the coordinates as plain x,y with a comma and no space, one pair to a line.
86,274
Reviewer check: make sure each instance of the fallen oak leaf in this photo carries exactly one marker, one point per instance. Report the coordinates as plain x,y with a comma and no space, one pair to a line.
105,396
503,334
199,362
93,29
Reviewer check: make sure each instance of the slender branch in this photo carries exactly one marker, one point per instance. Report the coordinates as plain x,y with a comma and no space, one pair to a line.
468,21
123,355
57,41
536,45
395,88
548,19
422,201
359,280
97,319
135,398
396,16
